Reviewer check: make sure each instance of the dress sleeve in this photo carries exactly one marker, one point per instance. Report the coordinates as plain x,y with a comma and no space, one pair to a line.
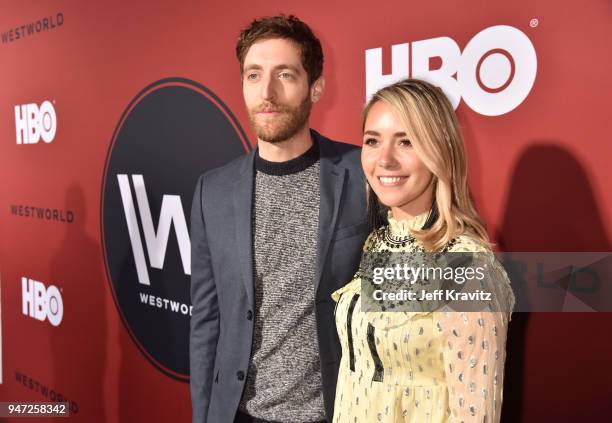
474,349
473,345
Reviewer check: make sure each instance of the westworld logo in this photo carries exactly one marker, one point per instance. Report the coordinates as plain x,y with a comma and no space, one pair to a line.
171,132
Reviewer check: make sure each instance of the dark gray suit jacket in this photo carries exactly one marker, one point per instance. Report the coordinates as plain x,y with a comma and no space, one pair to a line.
222,274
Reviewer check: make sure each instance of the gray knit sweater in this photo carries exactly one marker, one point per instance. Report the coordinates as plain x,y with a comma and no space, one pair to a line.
284,377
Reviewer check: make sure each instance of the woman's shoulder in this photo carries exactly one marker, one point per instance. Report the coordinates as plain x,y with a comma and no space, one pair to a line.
467,243
374,239
352,286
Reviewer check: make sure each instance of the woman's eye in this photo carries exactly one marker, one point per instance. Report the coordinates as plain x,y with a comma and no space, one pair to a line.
370,141
405,143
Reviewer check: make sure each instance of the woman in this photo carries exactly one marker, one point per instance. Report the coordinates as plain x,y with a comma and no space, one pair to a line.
419,366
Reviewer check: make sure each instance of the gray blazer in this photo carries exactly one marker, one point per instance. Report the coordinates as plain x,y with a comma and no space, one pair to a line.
222,274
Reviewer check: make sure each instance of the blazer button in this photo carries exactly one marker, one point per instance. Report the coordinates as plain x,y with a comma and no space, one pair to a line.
240,375
249,315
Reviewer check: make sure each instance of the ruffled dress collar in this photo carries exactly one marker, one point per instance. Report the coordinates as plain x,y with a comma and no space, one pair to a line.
404,227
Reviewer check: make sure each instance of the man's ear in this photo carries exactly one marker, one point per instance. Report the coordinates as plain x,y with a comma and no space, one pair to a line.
317,88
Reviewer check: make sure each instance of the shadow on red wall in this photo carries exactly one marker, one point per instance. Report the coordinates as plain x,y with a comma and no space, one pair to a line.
79,348
558,364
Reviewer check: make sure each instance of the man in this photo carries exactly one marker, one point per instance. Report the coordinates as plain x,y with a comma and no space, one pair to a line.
273,234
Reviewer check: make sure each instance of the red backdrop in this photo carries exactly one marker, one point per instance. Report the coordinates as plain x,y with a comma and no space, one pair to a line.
539,173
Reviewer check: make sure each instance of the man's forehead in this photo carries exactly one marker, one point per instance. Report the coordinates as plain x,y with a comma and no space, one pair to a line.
272,53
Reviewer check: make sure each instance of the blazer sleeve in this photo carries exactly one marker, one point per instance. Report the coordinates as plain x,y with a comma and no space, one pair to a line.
204,325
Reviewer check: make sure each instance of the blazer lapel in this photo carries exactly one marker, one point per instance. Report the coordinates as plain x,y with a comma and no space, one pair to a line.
243,199
331,179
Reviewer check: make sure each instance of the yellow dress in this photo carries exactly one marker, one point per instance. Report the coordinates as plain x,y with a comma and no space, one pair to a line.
424,367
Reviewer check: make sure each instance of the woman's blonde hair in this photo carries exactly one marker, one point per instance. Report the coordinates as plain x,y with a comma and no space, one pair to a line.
434,132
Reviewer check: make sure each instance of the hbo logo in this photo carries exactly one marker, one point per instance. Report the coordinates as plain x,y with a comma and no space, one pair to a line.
33,123
42,303
494,73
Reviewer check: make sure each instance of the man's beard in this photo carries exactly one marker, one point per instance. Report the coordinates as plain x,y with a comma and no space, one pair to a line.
285,125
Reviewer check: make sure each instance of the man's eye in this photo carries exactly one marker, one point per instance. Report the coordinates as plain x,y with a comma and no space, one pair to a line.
405,143
285,75
251,76
370,141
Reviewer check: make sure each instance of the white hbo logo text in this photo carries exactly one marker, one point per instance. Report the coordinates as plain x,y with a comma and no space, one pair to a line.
494,73
33,123
42,303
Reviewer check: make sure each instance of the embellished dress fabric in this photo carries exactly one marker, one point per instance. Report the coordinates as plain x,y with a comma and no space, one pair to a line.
424,367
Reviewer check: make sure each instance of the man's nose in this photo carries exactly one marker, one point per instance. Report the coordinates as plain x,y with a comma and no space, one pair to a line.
268,89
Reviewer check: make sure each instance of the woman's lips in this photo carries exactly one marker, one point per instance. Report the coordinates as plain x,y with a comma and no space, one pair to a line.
391,181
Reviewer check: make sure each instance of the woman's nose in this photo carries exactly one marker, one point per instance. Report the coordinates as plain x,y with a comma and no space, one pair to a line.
387,159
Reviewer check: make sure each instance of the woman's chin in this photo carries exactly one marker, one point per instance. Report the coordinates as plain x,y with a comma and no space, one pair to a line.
390,202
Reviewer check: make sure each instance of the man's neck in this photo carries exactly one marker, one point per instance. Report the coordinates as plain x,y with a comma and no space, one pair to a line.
286,150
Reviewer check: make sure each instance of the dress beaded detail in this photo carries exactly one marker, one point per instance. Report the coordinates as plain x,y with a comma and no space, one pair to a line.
425,367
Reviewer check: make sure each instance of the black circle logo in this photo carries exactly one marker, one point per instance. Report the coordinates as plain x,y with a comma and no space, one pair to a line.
171,132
